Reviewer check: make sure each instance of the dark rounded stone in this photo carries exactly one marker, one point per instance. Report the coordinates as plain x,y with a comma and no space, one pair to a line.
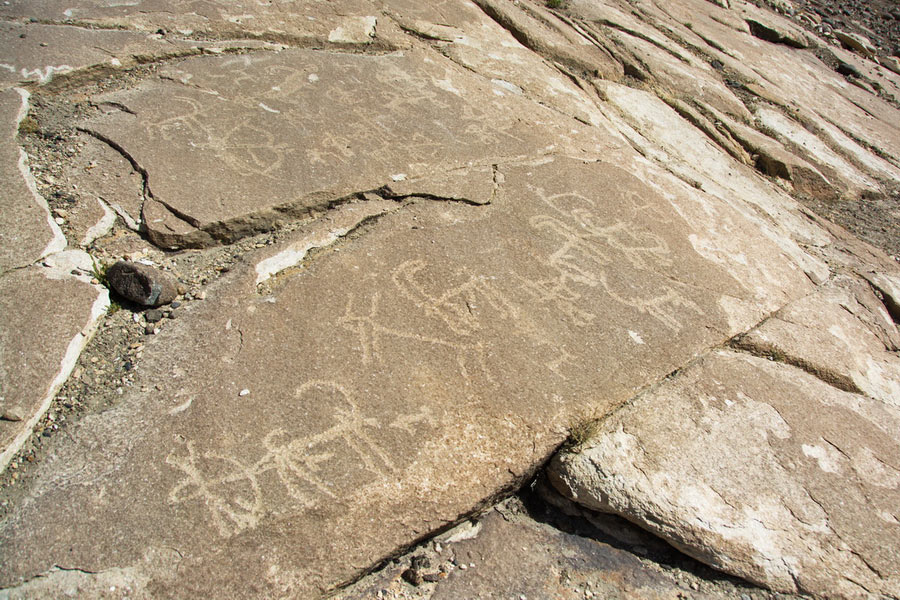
142,284
848,70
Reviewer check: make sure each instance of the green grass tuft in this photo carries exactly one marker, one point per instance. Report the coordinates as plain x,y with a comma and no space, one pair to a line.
580,433
98,270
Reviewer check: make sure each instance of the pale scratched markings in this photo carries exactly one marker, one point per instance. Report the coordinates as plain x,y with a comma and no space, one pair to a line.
562,358
554,291
296,462
225,518
455,305
588,248
252,159
370,332
189,119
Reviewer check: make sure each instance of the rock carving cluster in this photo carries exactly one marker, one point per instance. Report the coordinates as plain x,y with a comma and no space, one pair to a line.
287,288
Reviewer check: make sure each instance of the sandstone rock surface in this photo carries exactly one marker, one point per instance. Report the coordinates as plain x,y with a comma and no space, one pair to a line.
420,242
350,410
37,350
780,474
27,232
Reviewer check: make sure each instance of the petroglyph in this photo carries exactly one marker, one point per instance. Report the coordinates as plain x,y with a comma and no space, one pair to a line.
294,121
456,306
470,356
591,251
236,491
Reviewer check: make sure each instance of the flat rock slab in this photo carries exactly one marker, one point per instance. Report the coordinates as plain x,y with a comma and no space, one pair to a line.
385,388
786,77
344,22
27,232
508,553
103,186
235,144
517,557
39,347
36,53
779,477
855,354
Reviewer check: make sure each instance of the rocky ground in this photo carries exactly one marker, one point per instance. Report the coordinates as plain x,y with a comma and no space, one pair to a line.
471,300
872,218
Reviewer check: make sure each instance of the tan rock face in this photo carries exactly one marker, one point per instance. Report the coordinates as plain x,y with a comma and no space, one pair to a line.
36,53
415,372
854,354
298,22
430,238
294,125
38,350
27,231
779,476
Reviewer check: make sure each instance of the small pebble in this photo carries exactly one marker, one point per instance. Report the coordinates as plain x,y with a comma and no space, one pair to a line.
154,315
244,392
175,304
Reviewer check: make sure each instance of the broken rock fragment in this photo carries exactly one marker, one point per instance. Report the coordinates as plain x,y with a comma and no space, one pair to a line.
778,478
39,346
142,284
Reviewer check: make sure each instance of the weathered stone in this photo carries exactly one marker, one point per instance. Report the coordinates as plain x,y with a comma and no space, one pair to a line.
773,159
515,557
502,54
815,149
142,284
466,244
355,30
103,184
475,186
39,346
429,332
259,127
280,22
854,41
545,33
665,136
321,234
853,354
892,63
783,75
37,53
889,288
90,220
779,478
27,230
772,33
